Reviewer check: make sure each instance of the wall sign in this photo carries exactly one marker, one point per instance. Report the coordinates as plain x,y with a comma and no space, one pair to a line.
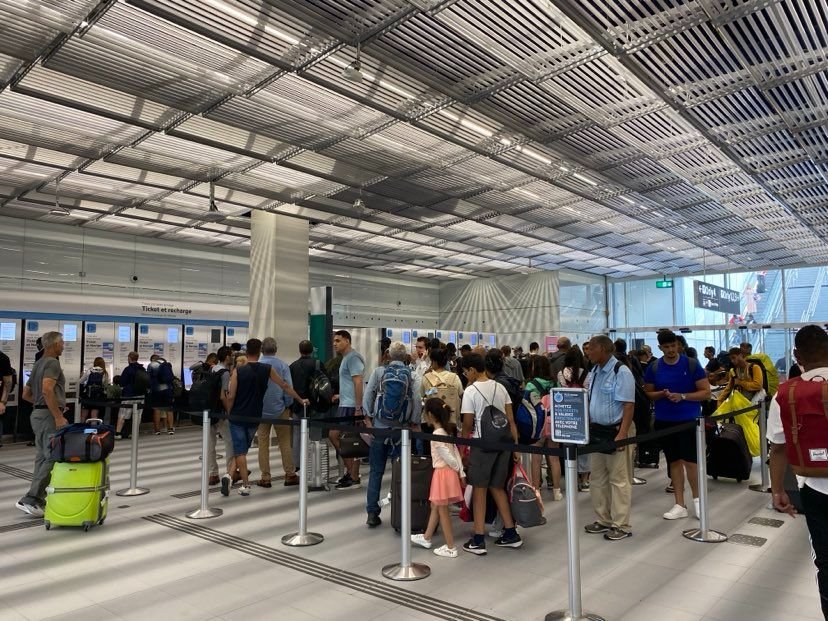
570,415
719,299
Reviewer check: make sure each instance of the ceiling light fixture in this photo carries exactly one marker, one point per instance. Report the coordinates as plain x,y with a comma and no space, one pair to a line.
213,205
359,203
58,210
353,72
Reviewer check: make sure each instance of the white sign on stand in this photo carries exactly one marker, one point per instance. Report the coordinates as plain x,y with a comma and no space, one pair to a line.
570,415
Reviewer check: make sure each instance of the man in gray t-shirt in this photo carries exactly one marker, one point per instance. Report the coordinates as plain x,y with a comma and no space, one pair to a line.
46,390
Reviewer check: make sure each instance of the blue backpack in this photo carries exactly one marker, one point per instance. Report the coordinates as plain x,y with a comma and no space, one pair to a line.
530,417
392,403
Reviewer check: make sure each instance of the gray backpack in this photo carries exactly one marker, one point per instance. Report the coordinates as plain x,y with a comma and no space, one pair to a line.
524,500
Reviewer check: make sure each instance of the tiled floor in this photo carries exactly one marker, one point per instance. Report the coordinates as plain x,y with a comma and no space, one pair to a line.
174,569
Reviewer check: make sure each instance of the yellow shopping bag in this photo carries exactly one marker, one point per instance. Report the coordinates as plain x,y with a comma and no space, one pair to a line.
747,421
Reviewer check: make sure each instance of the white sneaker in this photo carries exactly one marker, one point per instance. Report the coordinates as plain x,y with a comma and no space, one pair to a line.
420,540
697,508
244,490
385,501
446,551
32,510
676,513
557,495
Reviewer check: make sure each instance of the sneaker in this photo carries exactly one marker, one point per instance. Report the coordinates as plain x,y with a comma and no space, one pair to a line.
697,508
616,534
344,478
158,433
373,520
171,432
495,534
349,484
385,501
226,482
596,528
556,494
471,546
583,487
291,480
118,436
669,489
639,481
32,510
549,484
420,540
244,490
509,542
446,551
213,480
676,513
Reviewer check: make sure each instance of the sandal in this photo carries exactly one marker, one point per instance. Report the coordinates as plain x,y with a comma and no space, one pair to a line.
264,483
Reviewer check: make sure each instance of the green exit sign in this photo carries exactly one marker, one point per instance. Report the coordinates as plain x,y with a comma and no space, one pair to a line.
664,284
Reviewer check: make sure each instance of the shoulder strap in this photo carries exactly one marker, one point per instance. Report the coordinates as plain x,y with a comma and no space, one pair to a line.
535,383
617,366
317,365
692,364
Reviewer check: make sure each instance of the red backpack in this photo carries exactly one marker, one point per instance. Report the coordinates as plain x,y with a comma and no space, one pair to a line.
804,410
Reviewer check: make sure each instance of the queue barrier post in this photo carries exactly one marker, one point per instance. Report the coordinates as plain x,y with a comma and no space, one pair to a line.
204,511
764,486
703,533
575,611
133,489
405,569
302,537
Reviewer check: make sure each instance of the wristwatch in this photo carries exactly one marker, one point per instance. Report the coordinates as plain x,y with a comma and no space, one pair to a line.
683,396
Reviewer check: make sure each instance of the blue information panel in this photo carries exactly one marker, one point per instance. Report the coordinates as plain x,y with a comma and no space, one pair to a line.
570,415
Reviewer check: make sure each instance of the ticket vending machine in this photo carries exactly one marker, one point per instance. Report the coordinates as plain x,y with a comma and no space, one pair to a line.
11,344
163,340
199,341
70,360
110,341
236,334
400,334
487,339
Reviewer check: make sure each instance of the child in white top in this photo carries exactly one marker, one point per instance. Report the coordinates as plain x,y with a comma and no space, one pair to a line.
447,480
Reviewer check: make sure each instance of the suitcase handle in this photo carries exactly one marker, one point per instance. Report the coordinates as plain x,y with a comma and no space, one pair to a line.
94,422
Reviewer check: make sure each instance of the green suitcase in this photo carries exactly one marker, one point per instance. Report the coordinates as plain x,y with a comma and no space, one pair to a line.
78,494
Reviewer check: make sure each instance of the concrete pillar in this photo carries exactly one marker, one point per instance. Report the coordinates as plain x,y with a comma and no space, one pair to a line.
279,279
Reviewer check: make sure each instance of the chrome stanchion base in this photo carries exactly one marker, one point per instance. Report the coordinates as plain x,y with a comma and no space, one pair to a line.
758,487
203,514
711,536
415,571
565,615
297,541
133,491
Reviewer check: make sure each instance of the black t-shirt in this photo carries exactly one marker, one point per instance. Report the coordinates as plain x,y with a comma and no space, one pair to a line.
251,384
5,365
712,365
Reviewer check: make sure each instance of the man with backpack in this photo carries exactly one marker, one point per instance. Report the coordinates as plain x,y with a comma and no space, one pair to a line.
487,415
770,374
611,389
135,382
677,385
744,377
306,372
349,397
798,433
390,401
161,393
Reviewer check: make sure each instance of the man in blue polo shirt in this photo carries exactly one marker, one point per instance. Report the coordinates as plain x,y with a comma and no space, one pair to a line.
611,389
677,385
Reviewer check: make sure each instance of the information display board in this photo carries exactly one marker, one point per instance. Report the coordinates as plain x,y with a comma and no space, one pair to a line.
714,298
11,344
570,415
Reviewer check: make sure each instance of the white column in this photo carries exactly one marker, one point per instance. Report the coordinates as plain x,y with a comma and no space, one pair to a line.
278,278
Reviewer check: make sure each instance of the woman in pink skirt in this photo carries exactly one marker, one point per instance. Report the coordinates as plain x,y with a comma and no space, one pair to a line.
447,480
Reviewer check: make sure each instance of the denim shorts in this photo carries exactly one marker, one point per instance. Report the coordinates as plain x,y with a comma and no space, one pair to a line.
242,434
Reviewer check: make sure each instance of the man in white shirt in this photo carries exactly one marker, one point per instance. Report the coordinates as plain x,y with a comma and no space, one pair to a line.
811,352
487,471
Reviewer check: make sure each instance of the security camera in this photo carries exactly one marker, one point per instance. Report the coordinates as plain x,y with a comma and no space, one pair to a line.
134,278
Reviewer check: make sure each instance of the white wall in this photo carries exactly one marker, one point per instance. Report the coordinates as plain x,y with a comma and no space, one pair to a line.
40,263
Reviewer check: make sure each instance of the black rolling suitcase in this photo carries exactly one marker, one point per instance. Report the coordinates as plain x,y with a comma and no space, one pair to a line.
728,455
420,487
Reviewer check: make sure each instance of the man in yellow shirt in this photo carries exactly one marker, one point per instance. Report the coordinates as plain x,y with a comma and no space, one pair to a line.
746,377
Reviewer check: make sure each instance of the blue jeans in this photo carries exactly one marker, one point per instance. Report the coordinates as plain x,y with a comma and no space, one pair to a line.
381,450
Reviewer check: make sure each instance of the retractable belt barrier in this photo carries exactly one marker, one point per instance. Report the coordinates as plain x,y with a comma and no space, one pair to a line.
406,570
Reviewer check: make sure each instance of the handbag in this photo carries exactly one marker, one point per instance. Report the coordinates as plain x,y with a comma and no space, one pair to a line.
524,500
352,446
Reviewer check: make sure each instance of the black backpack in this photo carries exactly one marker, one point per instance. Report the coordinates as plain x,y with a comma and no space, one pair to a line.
141,382
205,394
320,390
494,425
512,386
93,389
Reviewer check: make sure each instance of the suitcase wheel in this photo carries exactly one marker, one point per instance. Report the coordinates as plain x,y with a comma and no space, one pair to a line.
48,525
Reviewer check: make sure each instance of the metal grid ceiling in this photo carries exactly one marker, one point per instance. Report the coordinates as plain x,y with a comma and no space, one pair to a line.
486,136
